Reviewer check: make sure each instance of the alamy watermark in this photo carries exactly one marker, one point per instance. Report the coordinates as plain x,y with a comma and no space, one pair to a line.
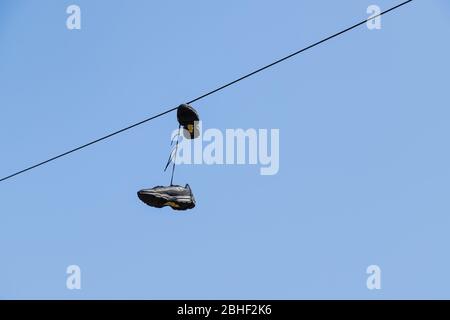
73,281
374,279
233,146
73,21
374,21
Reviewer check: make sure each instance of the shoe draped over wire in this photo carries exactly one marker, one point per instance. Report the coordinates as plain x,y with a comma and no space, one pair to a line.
188,119
175,196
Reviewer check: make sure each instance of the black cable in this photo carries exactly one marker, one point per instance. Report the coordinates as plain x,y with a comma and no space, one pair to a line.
87,144
206,94
299,51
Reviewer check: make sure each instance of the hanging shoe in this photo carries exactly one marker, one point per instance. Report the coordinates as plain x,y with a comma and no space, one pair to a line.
188,119
176,197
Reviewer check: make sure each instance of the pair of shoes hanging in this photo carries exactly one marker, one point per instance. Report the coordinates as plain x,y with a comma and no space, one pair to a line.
175,196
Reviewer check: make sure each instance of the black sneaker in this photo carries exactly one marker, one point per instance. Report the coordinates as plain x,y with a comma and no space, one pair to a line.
176,197
188,119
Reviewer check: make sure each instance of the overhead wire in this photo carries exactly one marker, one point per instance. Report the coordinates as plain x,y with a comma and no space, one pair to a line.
206,94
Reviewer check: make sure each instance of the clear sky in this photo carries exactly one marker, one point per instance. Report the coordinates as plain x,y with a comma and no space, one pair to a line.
364,158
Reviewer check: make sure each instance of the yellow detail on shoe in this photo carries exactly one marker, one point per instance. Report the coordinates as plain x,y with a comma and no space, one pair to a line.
172,204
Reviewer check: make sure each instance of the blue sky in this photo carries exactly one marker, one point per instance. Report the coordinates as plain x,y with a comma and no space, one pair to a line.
364,175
